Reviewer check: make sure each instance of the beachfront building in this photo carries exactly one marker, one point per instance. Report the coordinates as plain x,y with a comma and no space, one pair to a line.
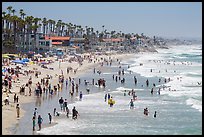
58,41
76,44
112,43
134,41
45,43
77,41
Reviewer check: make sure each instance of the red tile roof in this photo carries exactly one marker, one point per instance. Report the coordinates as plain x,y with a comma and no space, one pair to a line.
56,43
57,38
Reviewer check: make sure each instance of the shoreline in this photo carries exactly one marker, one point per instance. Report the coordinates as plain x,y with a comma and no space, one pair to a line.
11,120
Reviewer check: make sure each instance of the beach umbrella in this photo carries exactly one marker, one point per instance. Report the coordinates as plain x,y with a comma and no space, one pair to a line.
19,62
3,70
43,62
31,62
37,55
5,56
26,60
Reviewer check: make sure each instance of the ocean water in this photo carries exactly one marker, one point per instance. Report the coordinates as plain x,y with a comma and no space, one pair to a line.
179,106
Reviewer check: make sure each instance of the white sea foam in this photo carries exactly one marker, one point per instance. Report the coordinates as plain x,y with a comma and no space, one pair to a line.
197,104
184,75
94,106
107,73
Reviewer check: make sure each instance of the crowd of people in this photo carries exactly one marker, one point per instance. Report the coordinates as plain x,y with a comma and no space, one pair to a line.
45,87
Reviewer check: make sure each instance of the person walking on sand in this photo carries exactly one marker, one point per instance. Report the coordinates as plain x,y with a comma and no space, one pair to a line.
65,105
18,110
54,111
50,118
61,101
33,119
14,98
40,120
67,114
35,112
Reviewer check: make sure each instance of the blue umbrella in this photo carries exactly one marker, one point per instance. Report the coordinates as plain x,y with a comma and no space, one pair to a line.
25,60
19,62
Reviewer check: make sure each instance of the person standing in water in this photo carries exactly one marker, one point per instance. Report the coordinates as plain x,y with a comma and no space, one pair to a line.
146,111
155,114
80,95
159,91
33,119
39,121
131,104
111,101
147,82
105,97
135,80
74,113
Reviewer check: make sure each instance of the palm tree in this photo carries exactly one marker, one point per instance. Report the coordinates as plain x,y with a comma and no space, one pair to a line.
3,20
14,20
7,21
13,11
62,30
44,21
21,27
35,28
29,21
9,8
112,33
58,27
49,26
97,33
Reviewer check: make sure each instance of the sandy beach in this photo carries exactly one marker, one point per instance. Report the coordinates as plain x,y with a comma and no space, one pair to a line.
9,116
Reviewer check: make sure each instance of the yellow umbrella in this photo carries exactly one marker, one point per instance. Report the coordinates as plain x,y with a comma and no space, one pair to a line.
31,62
5,56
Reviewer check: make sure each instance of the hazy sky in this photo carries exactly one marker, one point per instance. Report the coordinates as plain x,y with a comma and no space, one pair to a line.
169,19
